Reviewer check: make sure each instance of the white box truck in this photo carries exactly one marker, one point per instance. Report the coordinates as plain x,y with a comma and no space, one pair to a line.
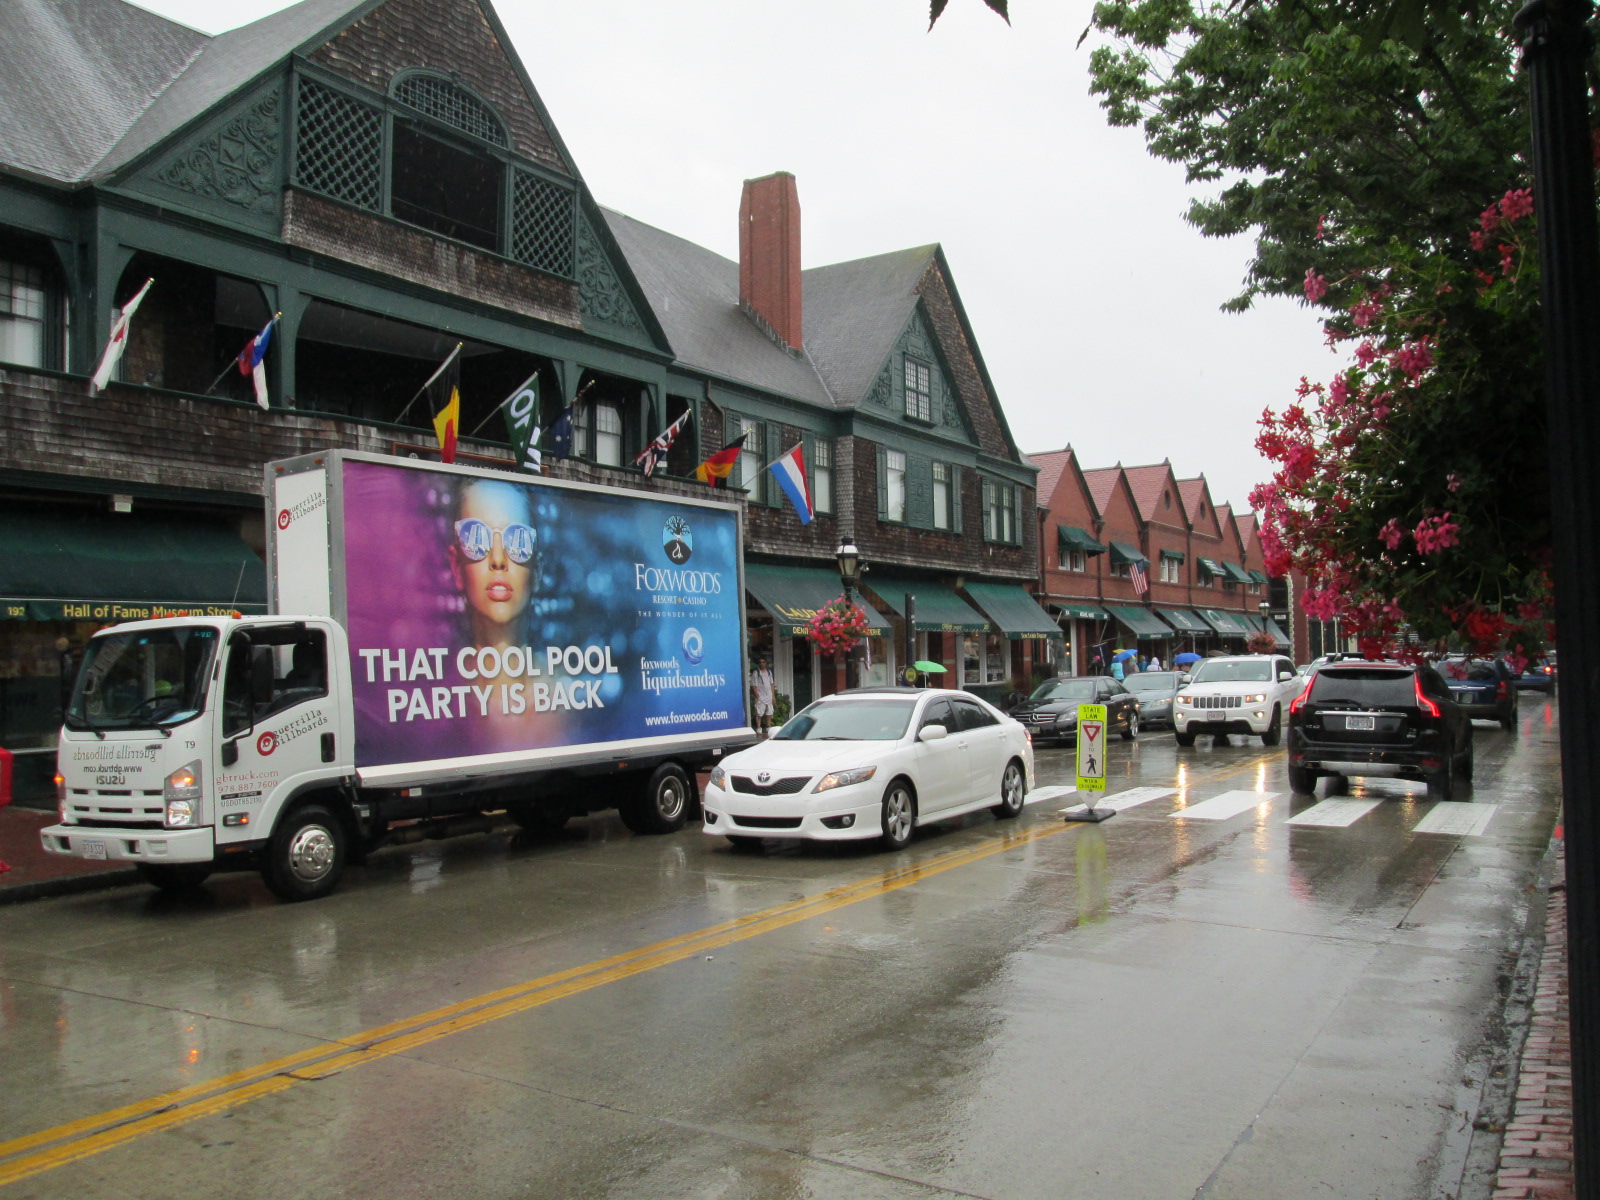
448,646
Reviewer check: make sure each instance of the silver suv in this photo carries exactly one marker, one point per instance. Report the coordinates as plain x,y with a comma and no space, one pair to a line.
1245,693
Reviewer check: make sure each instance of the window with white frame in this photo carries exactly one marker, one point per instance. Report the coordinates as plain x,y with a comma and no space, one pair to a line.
983,658
1073,559
919,390
22,314
999,512
608,434
943,515
894,486
750,458
1169,569
822,476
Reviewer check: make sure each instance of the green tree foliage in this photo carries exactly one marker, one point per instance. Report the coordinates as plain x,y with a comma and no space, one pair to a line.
1306,124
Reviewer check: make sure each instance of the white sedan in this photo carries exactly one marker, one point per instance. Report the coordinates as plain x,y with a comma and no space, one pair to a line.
872,762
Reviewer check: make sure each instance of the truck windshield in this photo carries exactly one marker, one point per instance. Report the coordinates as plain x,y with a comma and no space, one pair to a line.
144,680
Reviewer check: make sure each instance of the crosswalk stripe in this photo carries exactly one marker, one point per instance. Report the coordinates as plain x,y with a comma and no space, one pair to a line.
1338,813
1462,820
1132,798
1052,792
1225,806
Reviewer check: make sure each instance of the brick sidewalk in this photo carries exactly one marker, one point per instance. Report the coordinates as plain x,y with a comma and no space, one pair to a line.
34,873
1536,1158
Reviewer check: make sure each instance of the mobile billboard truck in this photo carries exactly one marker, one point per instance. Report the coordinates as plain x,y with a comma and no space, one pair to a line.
447,645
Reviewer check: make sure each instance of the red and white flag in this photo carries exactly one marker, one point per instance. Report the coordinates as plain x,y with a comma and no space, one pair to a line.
117,342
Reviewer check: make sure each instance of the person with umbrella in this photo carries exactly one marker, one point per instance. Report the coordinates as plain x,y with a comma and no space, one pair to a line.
1185,659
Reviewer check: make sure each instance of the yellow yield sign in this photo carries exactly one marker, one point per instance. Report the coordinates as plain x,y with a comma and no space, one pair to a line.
1091,747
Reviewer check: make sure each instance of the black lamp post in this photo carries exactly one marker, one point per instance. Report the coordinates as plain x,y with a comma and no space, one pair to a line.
849,560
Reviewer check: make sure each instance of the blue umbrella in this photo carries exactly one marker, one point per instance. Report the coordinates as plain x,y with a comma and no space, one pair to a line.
1184,659
1123,655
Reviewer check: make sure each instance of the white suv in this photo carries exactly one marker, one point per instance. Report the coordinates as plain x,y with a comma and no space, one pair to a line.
1246,693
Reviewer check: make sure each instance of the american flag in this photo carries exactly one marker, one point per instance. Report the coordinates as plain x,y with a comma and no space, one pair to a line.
1141,581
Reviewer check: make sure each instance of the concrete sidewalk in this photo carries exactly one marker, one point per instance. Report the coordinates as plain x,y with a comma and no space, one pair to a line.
34,873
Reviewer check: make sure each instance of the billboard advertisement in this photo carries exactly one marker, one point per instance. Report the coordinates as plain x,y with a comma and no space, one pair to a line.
487,614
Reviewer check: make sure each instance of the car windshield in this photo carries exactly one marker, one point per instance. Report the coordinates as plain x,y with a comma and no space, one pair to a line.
1235,671
143,680
1385,687
1151,681
874,720
1064,689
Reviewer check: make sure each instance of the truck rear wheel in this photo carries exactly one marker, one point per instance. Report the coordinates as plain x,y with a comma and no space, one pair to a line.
306,854
174,877
664,807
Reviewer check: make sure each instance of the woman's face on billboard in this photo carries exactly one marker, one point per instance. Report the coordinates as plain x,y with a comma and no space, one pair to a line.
492,557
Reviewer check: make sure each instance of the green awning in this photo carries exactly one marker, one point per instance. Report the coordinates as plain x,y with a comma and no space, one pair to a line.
1256,576
1121,552
1212,566
1278,635
1071,537
1236,573
939,610
1173,555
1183,620
1078,612
1013,611
1223,623
1139,622
794,594
93,565
1253,621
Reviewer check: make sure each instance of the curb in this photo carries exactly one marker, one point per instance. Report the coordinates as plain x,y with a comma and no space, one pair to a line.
65,885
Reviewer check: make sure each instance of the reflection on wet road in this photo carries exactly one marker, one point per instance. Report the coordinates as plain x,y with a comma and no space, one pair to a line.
1223,987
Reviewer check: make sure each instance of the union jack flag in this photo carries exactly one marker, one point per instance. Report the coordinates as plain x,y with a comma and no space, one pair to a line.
656,451
1141,581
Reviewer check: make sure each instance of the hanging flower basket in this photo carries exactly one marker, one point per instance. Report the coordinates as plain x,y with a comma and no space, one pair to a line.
838,626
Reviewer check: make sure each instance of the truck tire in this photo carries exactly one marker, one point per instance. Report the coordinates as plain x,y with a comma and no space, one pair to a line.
664,807
306,854
174,877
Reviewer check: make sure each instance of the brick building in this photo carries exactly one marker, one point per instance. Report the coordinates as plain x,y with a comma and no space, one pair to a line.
383,174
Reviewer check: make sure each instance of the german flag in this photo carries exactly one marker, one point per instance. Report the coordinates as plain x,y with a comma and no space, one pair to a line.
716,469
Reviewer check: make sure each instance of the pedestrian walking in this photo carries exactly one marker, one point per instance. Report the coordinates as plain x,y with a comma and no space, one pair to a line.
761,694
1155,662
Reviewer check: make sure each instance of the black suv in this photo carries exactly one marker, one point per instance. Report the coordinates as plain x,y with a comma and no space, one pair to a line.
1379,718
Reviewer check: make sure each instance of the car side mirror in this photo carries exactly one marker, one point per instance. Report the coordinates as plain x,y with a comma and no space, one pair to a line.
1186,679
932,733
1285,676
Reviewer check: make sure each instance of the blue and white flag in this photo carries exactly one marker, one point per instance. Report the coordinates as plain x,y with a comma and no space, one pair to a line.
253,360
790,468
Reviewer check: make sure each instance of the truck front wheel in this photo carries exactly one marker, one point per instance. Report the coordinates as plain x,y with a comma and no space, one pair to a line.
665,804
306,854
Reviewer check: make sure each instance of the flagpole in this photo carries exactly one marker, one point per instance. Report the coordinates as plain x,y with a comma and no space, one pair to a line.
234,361
448,360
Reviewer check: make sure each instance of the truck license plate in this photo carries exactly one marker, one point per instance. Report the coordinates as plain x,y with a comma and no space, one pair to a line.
1358,723
93,849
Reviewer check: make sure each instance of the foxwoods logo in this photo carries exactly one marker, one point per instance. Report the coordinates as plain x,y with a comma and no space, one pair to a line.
677,540
683,583
694,647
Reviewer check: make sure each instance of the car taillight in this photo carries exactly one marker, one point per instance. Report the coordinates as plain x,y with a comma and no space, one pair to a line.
1502,690
1299,701
1427,706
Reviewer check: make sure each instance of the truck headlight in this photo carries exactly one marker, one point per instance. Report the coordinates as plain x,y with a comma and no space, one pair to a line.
1258,698
719,778
182,791
1185,700
836,779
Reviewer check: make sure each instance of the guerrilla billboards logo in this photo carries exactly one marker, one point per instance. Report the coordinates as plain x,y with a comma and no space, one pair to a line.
677,540
287,516
303,724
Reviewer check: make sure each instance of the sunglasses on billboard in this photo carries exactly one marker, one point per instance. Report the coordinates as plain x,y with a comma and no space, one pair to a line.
477,539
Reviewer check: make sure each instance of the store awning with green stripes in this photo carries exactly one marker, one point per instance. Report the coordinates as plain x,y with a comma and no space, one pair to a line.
1236,573
1071,537
1278,635
939,610
92,565
1174,555
1139,621
1013,611
1251,620
1226,624
1121,552
794,594
1211,566
1256,576
1078,612
1183,620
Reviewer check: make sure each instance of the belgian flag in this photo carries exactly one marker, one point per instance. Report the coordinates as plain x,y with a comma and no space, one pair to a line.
444,402
716,469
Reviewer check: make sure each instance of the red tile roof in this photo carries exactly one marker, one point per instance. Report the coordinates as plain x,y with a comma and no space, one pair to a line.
1147,484
1102,483
1051,464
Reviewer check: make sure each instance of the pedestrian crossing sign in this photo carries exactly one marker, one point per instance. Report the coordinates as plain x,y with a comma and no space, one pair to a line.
1091,747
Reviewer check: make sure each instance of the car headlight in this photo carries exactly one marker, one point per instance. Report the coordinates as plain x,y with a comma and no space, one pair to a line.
1185,700
182,791
719,778
836,779
1258,698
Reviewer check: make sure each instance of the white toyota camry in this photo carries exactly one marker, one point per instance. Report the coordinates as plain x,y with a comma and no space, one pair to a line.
872,762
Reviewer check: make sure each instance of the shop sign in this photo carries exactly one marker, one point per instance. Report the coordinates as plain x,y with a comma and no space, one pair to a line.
114,610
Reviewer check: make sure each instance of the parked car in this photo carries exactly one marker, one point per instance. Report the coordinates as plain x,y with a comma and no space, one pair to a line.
1362,718
872,762
1156,691
1483,688
1539,675
1051,713
1245,693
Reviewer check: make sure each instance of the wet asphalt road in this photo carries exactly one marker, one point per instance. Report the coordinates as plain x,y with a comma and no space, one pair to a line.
1160,1006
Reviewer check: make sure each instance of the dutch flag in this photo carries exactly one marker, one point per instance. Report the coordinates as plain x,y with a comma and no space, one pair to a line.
790,468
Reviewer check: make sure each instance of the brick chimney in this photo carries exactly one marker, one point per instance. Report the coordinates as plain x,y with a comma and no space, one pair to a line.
769,255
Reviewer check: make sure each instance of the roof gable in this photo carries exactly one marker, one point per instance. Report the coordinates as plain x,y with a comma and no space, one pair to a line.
854,314
1197,504
1229,530
1155,493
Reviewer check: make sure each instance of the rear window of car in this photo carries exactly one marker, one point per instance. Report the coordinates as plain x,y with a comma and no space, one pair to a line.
1479,670
1364,685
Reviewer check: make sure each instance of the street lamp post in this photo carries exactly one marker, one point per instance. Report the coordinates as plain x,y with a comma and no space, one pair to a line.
849,560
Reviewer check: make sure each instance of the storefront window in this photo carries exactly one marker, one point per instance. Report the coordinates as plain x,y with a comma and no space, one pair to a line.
37,662
983,658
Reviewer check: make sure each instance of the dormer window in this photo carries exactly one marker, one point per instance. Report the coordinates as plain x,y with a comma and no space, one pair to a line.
919,390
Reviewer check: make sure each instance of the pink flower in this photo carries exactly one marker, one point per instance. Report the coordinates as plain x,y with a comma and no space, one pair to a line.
1489,218
1364,312
1414,358
1453,482
1476,238
1366,354
1316,285
1517,204
1506,253
1391,534
1322,226
1436,533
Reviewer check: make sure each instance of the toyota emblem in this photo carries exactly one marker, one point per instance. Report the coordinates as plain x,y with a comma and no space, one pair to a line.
764,777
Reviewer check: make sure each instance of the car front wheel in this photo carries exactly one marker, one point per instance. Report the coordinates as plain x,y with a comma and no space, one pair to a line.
1184,739
1274,732
1131,730
1012,792
899,816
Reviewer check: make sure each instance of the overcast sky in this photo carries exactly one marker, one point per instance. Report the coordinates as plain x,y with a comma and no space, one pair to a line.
1094,303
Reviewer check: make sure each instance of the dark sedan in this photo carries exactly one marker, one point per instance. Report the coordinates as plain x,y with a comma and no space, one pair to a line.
1156,691
1051,713
1538,676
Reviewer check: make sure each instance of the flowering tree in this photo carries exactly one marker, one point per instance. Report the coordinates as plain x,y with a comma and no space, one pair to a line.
1410,490
837,626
